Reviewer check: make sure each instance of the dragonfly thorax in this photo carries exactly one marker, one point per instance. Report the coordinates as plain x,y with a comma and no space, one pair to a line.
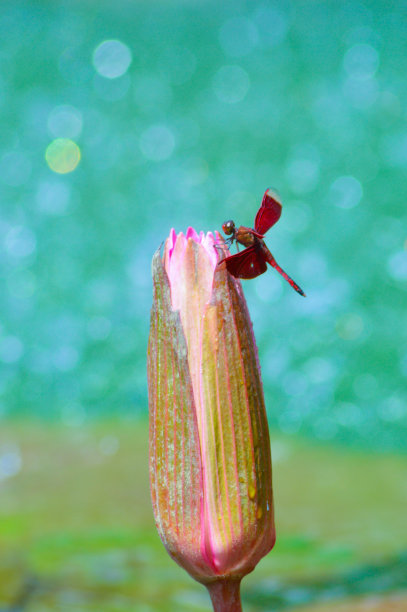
246,236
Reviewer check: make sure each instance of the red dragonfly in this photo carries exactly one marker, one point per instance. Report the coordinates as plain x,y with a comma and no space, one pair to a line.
253,260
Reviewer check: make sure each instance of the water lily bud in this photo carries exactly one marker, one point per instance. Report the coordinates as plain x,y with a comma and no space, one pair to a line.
210,464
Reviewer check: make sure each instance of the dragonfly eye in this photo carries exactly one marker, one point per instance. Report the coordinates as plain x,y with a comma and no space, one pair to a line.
228,227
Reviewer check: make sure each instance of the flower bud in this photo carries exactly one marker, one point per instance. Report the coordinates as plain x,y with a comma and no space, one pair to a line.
210,464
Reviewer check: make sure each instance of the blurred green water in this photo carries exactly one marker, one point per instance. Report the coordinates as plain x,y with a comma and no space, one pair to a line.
184,118
77,531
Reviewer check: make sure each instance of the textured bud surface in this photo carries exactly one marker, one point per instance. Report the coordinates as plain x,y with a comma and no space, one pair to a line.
210,465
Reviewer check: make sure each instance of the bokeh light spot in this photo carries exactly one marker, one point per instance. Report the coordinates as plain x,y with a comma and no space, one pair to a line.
112,59
346,192
395,149
65,122
231,84
397,266
271,24
320,370
361,95
157,143
361,61
11,349
393,408
66,358
20,242
62,155
10,461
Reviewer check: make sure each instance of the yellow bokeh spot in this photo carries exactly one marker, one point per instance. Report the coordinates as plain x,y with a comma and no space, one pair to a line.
62,155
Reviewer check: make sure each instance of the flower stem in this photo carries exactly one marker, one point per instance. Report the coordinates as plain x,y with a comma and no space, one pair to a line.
225,595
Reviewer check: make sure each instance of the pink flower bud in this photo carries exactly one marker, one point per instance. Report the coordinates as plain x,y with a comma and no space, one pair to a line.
210,464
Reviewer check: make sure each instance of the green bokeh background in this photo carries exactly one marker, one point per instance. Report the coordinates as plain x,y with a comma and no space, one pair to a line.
191,112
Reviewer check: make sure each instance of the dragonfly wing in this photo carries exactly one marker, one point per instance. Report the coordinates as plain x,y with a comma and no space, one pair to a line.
268,213
246,264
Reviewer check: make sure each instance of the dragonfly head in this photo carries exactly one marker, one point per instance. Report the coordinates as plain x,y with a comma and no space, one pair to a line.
229,228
